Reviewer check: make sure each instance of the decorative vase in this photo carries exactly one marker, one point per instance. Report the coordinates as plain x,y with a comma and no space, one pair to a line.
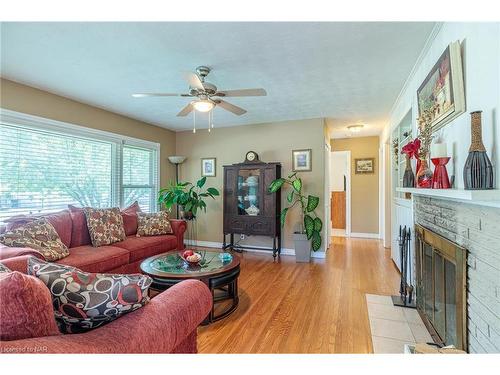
424,175
440,179
478,171
408,177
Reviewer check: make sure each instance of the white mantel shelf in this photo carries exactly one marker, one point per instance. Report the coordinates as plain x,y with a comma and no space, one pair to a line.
472,196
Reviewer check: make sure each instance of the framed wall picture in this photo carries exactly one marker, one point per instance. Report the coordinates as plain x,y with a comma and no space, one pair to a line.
444,87
364,166
208,166
301,160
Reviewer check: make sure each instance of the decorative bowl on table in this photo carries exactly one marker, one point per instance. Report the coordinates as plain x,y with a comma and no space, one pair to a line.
191,258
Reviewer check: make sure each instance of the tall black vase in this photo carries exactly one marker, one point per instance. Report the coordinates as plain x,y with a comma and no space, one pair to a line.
478,171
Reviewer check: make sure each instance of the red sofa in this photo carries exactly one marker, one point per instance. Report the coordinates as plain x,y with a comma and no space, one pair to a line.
120,257
167,324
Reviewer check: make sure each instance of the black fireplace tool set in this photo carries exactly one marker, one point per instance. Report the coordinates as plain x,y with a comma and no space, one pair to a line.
406,296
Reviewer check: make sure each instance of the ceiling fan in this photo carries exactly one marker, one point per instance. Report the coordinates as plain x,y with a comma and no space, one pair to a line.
207,95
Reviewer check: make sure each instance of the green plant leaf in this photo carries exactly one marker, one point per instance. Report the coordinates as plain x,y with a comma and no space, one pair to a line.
283,216
289,197
316,241
318,224
201,182
276,185
308,226
292,175
213,191
297,185
312,203
188,206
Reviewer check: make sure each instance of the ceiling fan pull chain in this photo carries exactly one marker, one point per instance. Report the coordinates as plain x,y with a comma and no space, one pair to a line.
194,121
212,120
209,120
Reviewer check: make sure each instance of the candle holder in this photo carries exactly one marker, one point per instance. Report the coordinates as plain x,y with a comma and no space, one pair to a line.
440,179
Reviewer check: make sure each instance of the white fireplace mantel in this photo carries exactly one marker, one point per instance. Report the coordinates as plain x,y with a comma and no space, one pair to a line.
481,197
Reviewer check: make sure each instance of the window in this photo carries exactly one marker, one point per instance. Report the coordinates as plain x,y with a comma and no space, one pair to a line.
46,165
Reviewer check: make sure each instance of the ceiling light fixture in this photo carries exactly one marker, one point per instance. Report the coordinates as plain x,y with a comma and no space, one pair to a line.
203,105
355,128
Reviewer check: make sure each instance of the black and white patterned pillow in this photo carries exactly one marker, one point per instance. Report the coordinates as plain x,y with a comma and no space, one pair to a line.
83,301
4,269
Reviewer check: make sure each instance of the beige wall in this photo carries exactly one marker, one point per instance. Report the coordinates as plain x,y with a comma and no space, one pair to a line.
26,99
364,187
273,142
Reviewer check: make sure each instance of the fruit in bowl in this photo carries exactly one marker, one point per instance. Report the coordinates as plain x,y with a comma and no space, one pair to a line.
191,257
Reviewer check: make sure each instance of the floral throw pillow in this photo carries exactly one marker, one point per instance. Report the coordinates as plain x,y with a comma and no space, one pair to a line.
105,225
153,224
39,235
83,301
4,269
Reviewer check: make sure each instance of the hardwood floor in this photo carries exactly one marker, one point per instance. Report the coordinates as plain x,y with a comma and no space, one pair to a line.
320,307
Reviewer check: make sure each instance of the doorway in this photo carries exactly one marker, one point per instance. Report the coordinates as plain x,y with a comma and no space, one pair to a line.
340,193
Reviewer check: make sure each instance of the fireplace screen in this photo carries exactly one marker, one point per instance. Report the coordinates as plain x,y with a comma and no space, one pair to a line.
441,287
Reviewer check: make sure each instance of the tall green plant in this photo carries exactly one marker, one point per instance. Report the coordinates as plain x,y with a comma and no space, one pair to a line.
188,195
308,204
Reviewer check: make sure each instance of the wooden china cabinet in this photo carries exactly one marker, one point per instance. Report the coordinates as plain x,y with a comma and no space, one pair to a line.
249,208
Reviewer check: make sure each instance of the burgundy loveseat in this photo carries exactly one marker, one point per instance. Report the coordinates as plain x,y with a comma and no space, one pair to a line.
167,324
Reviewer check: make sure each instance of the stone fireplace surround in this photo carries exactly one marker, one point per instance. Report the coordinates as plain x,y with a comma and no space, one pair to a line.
476,228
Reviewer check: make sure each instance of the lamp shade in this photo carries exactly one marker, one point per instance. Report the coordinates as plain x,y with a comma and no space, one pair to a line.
176,159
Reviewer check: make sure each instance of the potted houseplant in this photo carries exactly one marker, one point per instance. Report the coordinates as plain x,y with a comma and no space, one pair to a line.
190,197
309,236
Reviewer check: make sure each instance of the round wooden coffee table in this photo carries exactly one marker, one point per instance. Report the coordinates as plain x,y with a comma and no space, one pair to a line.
221,277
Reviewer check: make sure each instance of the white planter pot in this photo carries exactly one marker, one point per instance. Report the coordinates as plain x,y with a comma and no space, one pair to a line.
302,248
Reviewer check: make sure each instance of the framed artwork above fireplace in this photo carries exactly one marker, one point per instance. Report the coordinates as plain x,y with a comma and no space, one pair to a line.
444,87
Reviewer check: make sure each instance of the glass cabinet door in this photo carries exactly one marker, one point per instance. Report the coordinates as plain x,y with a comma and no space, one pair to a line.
248,193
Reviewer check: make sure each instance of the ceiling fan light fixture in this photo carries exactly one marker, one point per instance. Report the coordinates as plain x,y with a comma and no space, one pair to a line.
355,128
203,105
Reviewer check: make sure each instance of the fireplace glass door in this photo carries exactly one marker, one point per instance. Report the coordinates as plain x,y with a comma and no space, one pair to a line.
441,293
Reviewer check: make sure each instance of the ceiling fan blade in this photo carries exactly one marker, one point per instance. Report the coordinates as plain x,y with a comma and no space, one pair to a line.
194,81
244,92
231,107
148,94
185,111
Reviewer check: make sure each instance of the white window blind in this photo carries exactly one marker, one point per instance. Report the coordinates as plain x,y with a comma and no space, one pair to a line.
43,168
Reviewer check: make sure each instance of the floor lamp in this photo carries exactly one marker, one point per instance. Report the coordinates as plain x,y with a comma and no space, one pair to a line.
176,160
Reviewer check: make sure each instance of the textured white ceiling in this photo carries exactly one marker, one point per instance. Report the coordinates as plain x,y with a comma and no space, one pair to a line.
345,72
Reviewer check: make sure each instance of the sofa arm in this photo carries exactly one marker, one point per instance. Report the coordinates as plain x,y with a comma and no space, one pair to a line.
159,327
19,263
11,252
179,227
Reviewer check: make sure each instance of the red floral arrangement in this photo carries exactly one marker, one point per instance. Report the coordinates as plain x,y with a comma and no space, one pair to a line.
412,148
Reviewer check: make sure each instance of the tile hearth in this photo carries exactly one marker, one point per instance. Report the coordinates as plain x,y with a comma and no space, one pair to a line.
392,327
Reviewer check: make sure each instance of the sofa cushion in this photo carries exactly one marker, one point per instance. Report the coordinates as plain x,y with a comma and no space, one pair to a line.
26,308
91,259
61,221
39,235
129,216
80,232
143,247
83,301
105,225
153,224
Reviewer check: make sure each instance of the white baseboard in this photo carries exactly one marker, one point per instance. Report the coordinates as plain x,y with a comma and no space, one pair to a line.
258,249
338,232
365,235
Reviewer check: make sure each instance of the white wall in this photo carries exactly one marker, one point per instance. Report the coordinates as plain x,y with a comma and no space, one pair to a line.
338,170
481,62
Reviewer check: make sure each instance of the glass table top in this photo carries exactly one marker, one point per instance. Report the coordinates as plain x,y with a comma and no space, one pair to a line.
173,263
